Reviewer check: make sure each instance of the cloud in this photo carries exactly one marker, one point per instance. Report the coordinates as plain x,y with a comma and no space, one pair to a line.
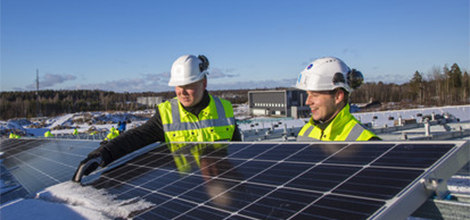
388,78
51,80
159,77
252,84
144,83
126,85
216,73
152,82
158,82
159,85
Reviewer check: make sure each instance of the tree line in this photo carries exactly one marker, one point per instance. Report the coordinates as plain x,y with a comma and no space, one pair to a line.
50,103
446,86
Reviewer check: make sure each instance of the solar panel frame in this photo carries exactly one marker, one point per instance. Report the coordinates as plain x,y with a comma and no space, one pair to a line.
263,162
415,194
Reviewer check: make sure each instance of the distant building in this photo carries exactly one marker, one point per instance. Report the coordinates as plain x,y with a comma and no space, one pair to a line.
150,101
228,95
282,103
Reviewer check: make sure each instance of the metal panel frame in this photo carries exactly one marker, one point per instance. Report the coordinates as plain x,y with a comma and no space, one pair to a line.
412,197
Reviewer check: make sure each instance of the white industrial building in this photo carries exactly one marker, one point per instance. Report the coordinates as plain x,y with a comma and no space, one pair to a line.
150,101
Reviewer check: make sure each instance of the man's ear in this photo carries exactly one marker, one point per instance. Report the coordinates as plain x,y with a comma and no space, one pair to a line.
204,82
339,96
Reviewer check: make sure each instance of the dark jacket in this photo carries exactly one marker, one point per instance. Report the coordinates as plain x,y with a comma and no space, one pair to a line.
150,132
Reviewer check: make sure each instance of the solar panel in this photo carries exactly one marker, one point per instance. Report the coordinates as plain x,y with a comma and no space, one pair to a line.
240,180
40,163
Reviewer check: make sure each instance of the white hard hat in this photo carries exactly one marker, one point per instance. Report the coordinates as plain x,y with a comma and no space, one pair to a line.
188,69
328,73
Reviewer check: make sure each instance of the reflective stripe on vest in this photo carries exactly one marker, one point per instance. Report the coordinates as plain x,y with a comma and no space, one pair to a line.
355,132
305,137
177,125
353,135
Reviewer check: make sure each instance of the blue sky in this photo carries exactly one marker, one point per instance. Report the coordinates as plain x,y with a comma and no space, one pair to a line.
129,46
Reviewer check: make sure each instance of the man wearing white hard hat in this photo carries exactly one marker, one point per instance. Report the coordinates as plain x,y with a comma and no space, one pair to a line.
193,116
328,82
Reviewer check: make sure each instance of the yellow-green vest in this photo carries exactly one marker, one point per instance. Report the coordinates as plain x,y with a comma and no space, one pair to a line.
344,127
14,136
216,122
112,134
48,134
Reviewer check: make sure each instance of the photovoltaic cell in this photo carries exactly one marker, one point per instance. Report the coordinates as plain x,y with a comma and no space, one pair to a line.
378,183
414,155
279,180
339,207
360,154
315,153
322,178
40,163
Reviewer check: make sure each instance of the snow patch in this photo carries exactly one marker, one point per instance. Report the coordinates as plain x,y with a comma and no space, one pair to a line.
460,184
70,200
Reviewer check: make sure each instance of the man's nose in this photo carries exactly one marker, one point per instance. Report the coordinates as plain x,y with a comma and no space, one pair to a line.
308,101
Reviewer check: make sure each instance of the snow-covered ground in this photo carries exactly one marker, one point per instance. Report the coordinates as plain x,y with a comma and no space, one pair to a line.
86,122
71,201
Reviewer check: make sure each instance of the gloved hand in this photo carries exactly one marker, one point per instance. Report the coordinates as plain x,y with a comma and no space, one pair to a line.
87,166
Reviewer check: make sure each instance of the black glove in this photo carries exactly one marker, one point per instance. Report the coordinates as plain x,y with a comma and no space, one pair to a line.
87,166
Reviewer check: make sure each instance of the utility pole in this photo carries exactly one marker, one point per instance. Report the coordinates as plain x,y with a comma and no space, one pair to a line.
38,107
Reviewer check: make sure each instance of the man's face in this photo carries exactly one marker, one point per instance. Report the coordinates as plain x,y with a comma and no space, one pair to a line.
324,104
190,95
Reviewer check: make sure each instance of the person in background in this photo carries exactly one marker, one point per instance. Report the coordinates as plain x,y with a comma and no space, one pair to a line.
75,131
328,82
113,133
122,127
48,134
192,116
13,135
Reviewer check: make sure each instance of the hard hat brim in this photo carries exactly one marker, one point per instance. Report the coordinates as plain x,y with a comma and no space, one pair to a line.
174,82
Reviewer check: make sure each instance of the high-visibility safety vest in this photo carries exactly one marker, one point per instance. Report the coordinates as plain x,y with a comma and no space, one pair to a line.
344,127
216,122
14,136
112,134
48,134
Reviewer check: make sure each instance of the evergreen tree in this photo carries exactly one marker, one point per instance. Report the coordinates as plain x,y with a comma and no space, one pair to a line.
417,88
